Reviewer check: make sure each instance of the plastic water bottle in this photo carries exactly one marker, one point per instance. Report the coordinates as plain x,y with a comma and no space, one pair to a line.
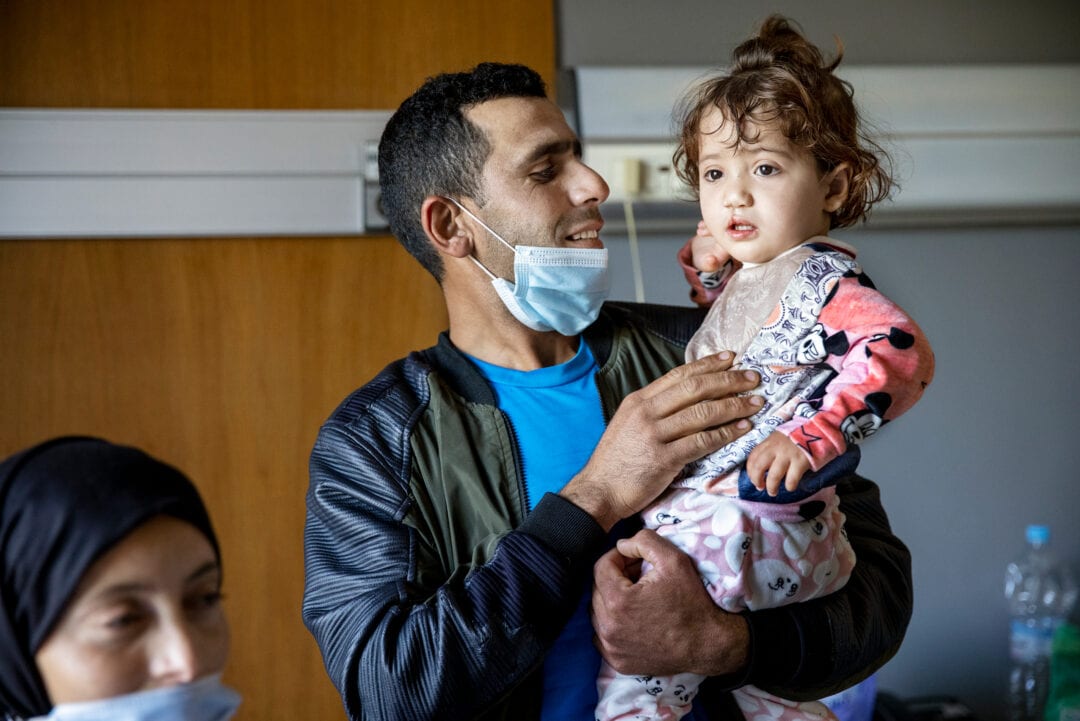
1040,592
1063,704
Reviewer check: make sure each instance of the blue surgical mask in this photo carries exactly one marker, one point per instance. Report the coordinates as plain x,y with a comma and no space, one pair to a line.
203,700
559,289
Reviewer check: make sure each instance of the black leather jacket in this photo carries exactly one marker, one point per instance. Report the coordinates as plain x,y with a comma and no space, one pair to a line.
433,594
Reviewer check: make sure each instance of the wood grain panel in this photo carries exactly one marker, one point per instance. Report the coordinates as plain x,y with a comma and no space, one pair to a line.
277,54
224,355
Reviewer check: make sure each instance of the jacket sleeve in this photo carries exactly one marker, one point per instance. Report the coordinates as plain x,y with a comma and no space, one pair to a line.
881,365
395,651
810,650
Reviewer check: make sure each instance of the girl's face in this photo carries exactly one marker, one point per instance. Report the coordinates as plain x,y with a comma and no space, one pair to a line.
147,614
760,199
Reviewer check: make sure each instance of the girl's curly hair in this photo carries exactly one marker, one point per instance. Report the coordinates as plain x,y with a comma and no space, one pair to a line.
779,79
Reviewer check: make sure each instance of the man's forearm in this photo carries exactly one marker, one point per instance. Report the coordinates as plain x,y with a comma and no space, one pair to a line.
396,650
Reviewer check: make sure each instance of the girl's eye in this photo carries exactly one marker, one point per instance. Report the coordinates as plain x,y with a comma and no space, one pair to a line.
711,175
767,170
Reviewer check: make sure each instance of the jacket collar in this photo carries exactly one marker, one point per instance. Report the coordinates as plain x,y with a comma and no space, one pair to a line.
674,324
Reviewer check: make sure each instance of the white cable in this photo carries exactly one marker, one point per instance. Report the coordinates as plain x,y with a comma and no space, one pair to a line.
635,254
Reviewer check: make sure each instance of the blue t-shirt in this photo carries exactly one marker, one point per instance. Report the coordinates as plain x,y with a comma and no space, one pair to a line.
558,420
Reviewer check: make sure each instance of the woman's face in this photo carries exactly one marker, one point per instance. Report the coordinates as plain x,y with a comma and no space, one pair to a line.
147,614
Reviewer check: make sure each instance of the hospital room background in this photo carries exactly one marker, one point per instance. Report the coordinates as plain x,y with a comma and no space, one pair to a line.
221,349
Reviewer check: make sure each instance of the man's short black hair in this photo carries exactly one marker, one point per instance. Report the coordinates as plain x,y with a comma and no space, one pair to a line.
430,148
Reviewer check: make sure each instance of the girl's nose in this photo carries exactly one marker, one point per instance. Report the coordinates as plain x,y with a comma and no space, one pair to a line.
736,195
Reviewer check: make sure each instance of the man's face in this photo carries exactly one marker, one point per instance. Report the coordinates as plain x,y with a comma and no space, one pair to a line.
537,189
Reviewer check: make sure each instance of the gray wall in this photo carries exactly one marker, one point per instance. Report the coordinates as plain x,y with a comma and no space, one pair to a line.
703,32
989,448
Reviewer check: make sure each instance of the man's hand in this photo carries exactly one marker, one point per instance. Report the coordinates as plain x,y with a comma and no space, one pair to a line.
776,459
663,622
688,412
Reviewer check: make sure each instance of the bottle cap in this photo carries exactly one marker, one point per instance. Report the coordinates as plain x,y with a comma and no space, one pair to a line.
1038,534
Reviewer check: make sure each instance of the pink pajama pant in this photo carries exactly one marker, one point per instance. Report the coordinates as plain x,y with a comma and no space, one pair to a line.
750,556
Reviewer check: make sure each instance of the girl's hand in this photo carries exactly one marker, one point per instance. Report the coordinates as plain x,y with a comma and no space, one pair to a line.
774,461
706,254
705,265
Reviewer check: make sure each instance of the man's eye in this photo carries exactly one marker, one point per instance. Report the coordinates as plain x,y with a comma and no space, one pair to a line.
544,175
711,175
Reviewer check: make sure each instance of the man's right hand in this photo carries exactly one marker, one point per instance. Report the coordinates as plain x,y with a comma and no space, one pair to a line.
685,414
663,622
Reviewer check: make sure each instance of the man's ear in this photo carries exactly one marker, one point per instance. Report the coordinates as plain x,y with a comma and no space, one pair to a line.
442,221
838,182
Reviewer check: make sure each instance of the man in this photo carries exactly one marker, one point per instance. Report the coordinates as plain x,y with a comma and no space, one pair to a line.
459,500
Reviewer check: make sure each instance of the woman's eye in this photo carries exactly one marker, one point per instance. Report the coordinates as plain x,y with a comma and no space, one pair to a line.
212,599
118,622
205,601
122,621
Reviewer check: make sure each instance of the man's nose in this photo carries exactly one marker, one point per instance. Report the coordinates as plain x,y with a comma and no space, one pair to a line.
588,187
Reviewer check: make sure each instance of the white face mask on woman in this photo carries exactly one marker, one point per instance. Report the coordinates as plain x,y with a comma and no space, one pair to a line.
559,289
204,700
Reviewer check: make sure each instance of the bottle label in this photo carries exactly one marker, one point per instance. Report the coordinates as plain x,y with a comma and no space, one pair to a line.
1030,642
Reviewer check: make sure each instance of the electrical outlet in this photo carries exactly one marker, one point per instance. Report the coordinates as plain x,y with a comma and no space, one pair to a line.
636,171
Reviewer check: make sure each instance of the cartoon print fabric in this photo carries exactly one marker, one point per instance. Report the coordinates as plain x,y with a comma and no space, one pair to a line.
750,555
837,359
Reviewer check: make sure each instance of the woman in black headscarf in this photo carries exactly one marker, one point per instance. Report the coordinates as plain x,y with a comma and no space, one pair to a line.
110,580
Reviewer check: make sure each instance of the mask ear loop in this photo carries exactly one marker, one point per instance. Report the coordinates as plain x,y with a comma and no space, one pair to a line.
484,225
481,267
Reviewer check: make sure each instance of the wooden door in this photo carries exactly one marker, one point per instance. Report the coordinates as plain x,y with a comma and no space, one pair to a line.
223,355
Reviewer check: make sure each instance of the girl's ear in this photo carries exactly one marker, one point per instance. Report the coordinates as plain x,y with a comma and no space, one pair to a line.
442,222
838,186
